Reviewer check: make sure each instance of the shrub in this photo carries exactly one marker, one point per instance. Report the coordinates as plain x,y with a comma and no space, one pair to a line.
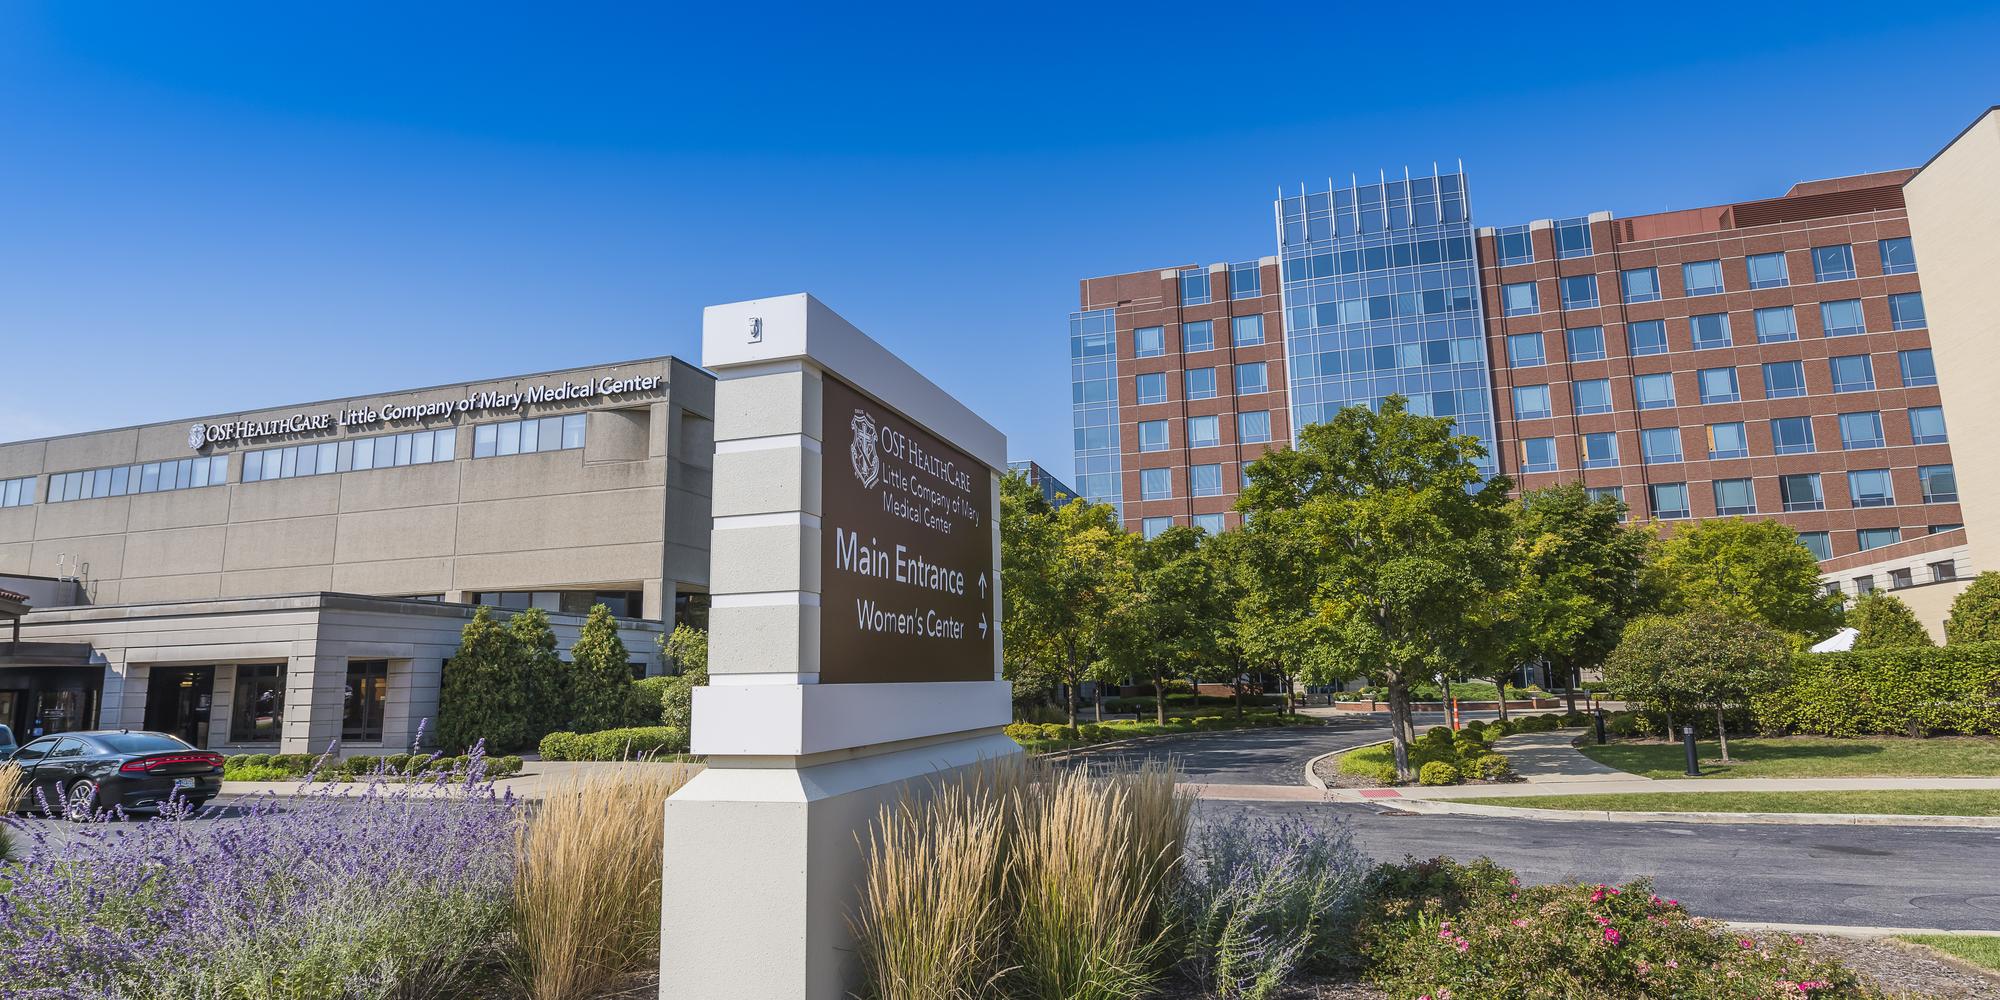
1499,730
249,760
259,772
360,764
397,762
1054,733
1092,733
1438,736
636,743
1975,612
1913,690
1023,732
1623,725
1492,766
1265,899
687,647
1437,772
1475,727
645,703
502,767
1883,621
600,675
483,691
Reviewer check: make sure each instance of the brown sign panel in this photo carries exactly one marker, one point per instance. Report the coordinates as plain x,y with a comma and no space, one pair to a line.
906,571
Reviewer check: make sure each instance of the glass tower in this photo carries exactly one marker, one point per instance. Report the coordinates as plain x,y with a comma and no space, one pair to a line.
1381,297
1093,376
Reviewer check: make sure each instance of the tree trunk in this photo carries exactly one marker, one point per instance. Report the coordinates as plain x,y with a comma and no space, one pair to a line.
1402,731
1069,650
1500,687
1159,679
1721,732
1097,693
1575,676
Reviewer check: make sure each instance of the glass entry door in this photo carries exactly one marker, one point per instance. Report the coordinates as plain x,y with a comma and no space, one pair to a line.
178,700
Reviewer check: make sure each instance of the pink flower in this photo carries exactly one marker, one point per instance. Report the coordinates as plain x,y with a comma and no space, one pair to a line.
1747,944
1461,945
1519,922
1611,934
1672,964
1598,896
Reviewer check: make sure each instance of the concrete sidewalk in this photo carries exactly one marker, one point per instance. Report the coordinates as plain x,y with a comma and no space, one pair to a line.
1636,784
1549,758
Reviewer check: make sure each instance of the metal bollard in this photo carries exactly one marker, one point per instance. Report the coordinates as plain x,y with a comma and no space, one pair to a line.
1600,725
1693,761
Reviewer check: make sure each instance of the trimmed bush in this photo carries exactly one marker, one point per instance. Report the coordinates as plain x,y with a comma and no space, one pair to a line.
1023,732
1912,691
1499,730
258,772
645,702
1975,612
1437,772
615,744
1492,766
1055,733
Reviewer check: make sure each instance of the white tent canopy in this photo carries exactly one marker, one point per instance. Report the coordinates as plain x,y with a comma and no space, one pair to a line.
1841,642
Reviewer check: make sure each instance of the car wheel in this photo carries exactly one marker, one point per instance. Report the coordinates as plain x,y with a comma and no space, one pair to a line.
80,805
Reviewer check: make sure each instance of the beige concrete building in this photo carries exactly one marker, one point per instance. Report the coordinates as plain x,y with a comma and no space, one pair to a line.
180,568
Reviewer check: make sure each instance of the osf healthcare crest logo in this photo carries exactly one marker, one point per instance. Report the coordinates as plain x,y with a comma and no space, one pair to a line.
867,461
197,436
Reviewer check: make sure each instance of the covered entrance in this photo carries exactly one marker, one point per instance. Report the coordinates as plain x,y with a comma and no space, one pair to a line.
178,700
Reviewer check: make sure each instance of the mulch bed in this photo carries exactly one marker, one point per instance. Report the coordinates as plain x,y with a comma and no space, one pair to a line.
1900,967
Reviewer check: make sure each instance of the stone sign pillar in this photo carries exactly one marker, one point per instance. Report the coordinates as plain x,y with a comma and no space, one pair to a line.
854,646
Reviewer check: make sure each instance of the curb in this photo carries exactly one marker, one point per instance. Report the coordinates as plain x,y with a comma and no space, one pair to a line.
1843,930
1312,766
1464,808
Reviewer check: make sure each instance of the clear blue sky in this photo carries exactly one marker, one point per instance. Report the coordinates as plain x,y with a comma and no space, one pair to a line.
211,207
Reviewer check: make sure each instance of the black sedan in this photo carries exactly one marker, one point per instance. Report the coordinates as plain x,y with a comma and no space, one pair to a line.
82,775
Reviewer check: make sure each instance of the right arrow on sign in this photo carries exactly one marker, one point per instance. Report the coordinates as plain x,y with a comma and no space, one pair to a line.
982,624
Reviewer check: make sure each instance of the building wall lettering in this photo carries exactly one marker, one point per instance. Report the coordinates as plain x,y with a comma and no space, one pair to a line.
360,417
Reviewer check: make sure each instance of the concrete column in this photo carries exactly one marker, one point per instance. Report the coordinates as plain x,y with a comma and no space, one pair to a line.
222,702
315,700
413,698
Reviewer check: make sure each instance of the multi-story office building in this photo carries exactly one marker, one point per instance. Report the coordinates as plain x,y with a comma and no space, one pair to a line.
1054,490
1770,358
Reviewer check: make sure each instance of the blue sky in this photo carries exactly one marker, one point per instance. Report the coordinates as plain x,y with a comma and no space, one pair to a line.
207,208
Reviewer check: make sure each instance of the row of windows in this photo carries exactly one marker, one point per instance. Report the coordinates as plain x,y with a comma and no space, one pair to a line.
385,452
1197,335
1775,324
1246,281
1572,239
126,480
1782,380
522,437
1698,278
1796,493
1363,260
1252,427
1199,383
1154,527
17,492
1789,436
1203,481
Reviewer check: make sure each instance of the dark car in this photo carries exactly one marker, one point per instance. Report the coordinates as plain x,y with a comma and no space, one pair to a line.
84,774
7,742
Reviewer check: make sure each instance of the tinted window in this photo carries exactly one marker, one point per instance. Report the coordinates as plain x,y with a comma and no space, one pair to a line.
33,752
140,743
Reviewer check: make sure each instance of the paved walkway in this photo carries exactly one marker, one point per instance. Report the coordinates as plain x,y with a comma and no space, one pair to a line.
1548,758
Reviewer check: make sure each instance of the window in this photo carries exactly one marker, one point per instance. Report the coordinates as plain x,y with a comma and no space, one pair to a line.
1668,500
1927,425
1197,335
367,690
1152,387
1194,286
1253,426
1600,450
1251,378
1531,401
1204,432
1842,318
1573,238
1246,330
1718,385
1200,383
1791,435
1646,337
1538,454
1851,373
1899,578
1727,441
1735,496
1710,330
1586,343
1940,484
1937,529
1152,435
1654,391
517,437
1246,280
1783,379
1777,324
126,480
1156,484
1205,480
1897,256
1861,430
1211,523
1833,263
258,711
1524,350
1519,299
1579,291
1871,488
1702,277
1154,527
1917,366
1514,246
1598,493
1149,341
1660,444
1818,543
1767,270
1906,311
1591,395
17,492
1875,538
1641,284
1944,570
1864,584
1801,492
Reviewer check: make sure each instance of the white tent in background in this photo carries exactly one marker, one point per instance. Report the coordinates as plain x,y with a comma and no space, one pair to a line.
1841,642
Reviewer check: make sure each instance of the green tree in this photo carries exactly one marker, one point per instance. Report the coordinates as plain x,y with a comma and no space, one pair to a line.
1975,612
600,673
1273,622
1885,622
1057,572
483,691
688,648
1707,658
1755,569
542,672
1400,531
1575,579
1167,618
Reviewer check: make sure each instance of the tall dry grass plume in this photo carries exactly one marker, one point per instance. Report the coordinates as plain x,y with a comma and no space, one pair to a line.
10,792
587,896
932,906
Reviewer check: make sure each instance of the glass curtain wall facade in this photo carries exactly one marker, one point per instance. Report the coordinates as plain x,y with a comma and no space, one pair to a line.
1093,376
1381,297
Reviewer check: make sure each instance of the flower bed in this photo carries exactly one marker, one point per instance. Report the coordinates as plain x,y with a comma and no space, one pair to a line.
1440,756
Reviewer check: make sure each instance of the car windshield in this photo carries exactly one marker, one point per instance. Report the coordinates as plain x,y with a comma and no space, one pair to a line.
141,743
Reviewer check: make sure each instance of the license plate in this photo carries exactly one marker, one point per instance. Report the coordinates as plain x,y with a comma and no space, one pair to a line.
180,783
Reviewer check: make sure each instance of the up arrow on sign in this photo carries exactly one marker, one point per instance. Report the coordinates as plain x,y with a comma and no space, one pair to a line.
982,624
982,585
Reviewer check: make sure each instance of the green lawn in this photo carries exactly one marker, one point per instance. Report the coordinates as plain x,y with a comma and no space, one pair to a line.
1812,757
1209,722
1913,802
1981,951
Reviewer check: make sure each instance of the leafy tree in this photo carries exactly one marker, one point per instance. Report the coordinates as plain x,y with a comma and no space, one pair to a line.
1575,579
687,647
483,692
1702,659
1057,571
543,672
1975,612
1273,624
1885,622
1755,569
1167,618
600,673
1389,511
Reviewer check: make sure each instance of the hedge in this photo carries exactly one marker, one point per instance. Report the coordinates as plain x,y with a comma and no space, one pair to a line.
615,744
1910,691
